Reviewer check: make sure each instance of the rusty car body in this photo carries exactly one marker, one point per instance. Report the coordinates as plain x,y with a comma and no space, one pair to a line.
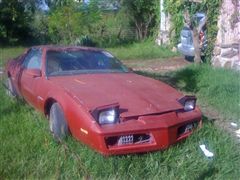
89,93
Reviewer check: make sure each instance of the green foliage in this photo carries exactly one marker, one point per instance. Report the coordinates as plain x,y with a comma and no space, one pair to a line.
69,21
142,51
29,152
69,24
144,15
85,41
65,25
113,29
14,21
212,9
216,87
3,32
176,9
59,3
39,28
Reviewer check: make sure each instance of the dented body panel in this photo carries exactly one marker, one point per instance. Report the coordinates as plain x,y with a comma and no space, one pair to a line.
150,115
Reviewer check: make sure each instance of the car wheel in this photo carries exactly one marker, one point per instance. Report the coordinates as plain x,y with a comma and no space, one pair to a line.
10,91
57,122
189,58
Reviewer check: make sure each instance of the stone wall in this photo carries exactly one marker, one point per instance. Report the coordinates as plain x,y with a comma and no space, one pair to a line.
227,49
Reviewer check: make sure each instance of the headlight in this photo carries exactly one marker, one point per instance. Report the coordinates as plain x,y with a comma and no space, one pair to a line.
188,102
106,114
189,105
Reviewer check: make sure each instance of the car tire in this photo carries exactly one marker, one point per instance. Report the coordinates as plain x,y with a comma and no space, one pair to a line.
57,123
10,91
189,58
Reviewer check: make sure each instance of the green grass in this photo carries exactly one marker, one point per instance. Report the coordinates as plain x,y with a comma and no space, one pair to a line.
142,51
218,88
28,150
7,53
136,51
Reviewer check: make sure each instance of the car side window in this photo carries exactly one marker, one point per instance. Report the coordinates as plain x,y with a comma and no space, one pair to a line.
33,59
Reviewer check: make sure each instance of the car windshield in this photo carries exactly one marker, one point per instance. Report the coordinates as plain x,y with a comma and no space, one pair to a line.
70,62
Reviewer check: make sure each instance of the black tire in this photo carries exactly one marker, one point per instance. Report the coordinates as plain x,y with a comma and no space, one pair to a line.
57,123
189,58
10,90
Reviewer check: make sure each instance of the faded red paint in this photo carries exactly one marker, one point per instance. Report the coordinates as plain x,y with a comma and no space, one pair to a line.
147,106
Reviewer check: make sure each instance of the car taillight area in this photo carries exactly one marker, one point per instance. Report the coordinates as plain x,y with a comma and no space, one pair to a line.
129,139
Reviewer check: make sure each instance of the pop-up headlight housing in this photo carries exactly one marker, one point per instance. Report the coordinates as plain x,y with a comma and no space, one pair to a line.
188,102
108,114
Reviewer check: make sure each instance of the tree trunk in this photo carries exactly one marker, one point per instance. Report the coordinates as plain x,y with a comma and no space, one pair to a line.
195,30
196,44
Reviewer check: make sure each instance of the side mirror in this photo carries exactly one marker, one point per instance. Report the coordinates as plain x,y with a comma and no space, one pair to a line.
34,72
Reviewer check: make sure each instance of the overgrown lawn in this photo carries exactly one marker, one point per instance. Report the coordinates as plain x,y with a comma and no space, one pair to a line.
8,53
142,51
28,150
215,87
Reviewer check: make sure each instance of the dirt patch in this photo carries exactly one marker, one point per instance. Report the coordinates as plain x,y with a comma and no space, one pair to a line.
157,65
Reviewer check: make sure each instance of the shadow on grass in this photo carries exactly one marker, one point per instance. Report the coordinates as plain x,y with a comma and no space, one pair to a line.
184,79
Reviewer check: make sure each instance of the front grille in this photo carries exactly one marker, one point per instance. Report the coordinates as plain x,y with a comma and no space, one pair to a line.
128,139
125,140
187,128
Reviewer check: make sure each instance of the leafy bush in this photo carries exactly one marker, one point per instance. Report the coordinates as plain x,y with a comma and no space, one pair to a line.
39,28
65,24
14,21
144,50
144,16
85,41
113,29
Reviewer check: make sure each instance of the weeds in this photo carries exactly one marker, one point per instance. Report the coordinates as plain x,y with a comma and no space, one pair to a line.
219,88
28,150
142,51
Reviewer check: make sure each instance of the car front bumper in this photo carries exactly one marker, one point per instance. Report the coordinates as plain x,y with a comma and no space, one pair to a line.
147,133
186,50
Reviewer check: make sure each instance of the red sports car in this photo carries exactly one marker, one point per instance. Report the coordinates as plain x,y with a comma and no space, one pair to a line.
89,93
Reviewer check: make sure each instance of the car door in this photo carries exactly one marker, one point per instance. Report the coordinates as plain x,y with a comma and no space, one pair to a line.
29,80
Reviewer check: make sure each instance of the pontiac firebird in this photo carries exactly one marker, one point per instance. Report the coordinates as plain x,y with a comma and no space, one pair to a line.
88,93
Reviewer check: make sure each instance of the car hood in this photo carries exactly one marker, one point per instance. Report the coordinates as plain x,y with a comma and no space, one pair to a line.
136,95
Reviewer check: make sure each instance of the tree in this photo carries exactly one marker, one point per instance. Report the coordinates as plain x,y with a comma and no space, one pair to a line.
60,3
14,20
39,27
65,25
144,15
195,27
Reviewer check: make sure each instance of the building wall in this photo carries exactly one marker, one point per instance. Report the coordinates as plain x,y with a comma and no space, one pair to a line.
227,49
165,22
